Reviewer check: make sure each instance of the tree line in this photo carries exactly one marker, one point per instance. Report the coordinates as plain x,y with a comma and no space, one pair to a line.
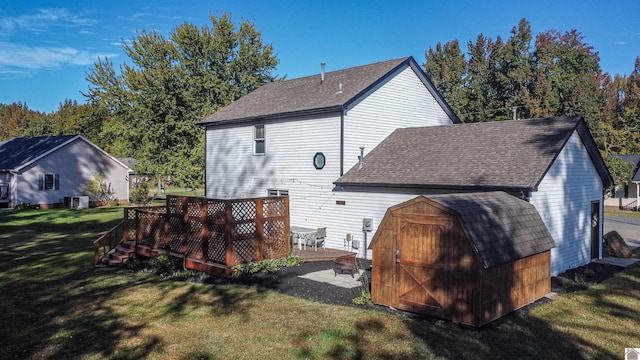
557,74
148,107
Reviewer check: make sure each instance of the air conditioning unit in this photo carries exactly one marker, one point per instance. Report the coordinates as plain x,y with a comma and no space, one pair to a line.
77,202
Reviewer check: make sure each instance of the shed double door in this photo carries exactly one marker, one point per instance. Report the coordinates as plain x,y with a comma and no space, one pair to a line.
421,264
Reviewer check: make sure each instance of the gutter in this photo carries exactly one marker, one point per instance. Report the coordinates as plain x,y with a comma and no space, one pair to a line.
436,187
335,108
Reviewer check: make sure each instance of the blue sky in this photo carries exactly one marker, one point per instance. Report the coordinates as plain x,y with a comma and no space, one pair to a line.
46,47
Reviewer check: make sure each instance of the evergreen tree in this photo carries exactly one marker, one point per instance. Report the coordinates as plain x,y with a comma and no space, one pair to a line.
446,67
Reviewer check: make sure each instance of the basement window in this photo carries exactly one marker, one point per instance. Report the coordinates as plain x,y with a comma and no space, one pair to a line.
277,192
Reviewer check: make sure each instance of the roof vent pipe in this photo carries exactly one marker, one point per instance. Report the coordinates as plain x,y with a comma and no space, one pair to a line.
361,158
322,64
340,88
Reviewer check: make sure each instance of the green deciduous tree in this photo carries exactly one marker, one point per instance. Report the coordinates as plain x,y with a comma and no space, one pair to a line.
85,119
169,84
17,120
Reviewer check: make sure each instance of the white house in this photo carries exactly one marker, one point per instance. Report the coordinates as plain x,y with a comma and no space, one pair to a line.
626,196
45,170
304,137
553,163
296,137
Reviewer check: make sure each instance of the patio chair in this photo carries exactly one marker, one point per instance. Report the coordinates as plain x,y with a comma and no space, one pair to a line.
317,238
295,239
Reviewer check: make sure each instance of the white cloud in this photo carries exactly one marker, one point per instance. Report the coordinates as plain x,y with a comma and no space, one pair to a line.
15,58
43,19
619,43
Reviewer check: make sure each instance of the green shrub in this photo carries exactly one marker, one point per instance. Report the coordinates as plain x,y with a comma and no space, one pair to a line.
140,194
364,290
267,265
162,264
98,189
24,206
579,278
589,273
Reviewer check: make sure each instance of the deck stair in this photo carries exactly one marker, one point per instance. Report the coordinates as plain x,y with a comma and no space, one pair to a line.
122,253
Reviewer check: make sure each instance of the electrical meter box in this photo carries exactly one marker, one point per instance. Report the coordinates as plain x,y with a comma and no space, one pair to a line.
367,224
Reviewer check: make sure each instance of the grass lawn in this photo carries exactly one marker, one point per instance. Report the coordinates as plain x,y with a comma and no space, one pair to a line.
631,214
54,304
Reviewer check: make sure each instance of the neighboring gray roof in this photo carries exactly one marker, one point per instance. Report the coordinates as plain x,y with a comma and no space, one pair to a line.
129,161
307,95
632,159
502,227
19,152
505,155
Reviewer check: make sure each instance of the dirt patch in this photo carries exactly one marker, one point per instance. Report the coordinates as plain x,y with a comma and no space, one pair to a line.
583,277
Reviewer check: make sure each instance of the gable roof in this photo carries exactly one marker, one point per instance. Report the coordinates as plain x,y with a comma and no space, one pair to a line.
512,155
17,153
502,227
308,95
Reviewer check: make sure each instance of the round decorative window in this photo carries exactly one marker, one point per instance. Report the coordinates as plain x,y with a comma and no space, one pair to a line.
319,160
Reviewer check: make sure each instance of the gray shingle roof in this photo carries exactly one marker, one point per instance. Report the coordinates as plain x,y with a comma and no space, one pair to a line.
308,95
505,155
18,152
502,227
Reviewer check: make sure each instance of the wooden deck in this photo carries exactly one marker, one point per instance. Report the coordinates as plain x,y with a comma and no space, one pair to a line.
321,255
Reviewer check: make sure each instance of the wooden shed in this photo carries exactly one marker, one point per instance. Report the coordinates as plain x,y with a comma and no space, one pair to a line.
470,258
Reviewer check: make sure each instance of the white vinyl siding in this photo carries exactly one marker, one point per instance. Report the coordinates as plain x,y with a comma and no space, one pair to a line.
75,163
564,199
233,172
401,102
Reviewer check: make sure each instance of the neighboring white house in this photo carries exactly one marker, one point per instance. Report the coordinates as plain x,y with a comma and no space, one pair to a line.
300,137
626,196
45,170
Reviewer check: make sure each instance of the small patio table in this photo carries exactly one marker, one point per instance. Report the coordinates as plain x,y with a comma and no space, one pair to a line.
302,233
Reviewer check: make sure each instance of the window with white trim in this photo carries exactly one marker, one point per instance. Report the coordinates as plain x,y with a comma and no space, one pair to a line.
277,192
48,181
259,146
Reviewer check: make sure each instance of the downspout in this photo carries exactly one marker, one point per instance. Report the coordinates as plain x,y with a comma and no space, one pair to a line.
637,194
205,160
342,141
14,187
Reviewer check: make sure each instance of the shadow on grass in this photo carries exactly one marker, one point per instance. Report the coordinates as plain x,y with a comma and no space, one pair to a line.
55,304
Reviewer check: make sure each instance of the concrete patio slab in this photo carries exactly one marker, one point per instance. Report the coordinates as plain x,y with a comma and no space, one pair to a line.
330,277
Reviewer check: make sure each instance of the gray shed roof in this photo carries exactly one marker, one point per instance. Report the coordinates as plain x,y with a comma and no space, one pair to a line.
308,95
18,152
502,227
510,155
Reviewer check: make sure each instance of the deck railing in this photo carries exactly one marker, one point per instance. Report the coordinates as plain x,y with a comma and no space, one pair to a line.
125,230
217,233
107,242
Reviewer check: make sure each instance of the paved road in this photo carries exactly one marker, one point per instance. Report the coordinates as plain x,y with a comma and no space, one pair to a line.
628,228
